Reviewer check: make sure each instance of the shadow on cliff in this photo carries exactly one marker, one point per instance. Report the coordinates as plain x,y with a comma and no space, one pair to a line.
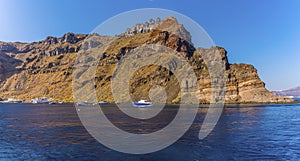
8,66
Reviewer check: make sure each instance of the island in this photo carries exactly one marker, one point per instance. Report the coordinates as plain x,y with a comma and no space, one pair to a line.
45,68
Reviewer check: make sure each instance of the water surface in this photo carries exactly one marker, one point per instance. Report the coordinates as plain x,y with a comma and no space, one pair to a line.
49,132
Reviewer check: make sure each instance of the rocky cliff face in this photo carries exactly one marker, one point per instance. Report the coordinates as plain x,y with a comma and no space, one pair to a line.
45,68
245,86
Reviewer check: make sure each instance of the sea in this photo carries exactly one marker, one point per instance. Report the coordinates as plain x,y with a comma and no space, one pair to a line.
243,132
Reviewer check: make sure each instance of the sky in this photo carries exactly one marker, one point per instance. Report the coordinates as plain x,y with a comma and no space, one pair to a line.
265,34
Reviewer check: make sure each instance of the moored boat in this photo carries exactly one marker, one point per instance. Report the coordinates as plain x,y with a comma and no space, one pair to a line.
13,100
43,100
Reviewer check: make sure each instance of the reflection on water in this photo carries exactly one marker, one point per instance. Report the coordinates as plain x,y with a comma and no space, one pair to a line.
45,132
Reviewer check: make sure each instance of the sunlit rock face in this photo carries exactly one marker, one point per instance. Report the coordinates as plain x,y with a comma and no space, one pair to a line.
45,68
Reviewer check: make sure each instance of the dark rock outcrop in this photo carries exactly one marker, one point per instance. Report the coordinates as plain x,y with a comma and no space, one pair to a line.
171,25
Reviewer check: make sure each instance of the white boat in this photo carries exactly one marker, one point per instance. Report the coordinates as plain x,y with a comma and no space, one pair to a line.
142,103
85,103
102,102
12,100
43,100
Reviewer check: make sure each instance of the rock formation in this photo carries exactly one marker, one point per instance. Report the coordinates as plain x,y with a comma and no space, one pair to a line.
169,24
45,68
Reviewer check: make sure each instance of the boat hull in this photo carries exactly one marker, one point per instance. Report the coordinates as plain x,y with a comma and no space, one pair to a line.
137,104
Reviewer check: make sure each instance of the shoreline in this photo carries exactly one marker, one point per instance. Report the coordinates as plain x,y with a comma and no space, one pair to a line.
200,104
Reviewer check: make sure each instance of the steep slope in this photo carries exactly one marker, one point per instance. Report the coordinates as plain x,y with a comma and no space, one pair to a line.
40,68
45,68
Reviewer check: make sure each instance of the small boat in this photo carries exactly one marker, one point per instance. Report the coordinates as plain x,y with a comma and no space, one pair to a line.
142,103
43,100
102,102
85,103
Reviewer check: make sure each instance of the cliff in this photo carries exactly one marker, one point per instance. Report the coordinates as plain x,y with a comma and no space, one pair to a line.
45,68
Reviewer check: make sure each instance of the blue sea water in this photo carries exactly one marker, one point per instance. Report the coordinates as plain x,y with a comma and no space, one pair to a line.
54,132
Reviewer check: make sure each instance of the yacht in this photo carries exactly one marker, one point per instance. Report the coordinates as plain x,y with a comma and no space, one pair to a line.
43,100
102,102
142,103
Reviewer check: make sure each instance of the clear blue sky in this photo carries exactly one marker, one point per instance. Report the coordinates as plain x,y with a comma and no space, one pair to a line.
263,33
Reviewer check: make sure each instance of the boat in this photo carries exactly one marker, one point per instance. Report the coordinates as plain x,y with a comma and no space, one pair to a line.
12,100
102,102
43,100
85,103
142,103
